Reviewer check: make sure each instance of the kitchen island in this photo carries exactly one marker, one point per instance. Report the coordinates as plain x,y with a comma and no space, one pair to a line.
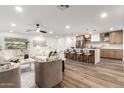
96,55
84,55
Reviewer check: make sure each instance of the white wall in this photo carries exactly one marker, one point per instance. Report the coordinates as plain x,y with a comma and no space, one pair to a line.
123,44
65,43
32,50
59,44
51,46
1,44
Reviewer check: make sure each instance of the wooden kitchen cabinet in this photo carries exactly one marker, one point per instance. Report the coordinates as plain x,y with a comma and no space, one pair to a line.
119,37
116,37
101,53
111,53
104,53
112,37
119,54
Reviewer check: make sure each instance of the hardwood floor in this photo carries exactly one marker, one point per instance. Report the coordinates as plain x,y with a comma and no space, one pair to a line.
106,74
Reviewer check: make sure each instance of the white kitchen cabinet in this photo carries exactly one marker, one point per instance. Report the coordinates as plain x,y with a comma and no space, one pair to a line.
95,37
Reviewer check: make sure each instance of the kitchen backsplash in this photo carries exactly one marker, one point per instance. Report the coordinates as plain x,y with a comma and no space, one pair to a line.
105,45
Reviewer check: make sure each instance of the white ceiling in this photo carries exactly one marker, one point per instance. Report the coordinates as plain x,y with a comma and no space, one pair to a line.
78,17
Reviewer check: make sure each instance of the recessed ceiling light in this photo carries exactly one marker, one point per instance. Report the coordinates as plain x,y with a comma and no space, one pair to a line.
67,27
111,29
14,25
76,34
18,8
50,32
90,32
103,15
11,31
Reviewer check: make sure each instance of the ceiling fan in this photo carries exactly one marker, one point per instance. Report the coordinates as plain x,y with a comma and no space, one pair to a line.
37,29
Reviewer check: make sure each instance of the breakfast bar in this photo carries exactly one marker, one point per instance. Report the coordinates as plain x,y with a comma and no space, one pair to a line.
84,55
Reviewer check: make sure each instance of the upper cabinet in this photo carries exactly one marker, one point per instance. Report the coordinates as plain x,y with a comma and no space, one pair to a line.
116,37
104,37
95,37
112,37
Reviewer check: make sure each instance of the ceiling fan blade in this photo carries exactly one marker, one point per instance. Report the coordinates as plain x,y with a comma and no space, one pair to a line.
29,30
94,30
42,31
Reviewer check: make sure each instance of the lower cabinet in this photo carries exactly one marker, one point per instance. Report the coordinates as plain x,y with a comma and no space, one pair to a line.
111,53
104,53
119,54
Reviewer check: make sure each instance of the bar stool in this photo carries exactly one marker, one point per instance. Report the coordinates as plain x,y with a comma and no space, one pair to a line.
87,55
92,52
74,54
67,54
78,55
81,56
71,55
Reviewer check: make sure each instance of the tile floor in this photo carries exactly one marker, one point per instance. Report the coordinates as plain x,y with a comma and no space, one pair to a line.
27,76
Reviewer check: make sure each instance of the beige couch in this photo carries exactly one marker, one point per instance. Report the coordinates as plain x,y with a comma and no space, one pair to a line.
48,74
10,78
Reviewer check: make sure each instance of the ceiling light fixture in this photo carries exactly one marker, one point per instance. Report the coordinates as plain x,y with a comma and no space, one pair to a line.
76,35
111,29
14,25
103,15
90,32
50,32
67,27
11,31
18,9
63,7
